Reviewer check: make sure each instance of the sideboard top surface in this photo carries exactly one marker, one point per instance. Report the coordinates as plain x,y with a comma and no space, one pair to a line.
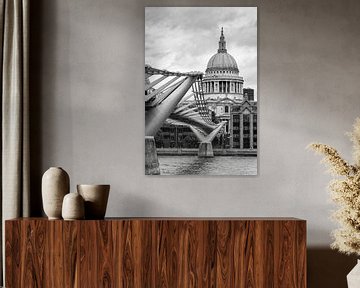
174,219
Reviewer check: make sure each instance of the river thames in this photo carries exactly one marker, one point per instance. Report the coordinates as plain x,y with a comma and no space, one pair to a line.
219,165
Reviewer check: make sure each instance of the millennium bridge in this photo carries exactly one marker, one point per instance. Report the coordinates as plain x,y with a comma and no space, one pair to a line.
166,102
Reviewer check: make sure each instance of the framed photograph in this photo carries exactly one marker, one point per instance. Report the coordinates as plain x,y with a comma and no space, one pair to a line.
201,91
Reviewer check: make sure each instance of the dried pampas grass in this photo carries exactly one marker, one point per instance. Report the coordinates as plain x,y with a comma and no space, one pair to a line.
345,192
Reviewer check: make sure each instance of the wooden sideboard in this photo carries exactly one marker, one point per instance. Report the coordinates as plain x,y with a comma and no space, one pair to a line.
156,252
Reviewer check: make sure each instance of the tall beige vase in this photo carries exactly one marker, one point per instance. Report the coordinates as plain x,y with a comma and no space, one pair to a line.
55,185
96,198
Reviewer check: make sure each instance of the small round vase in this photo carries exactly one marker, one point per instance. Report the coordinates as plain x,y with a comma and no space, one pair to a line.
73,207
96,198
55,185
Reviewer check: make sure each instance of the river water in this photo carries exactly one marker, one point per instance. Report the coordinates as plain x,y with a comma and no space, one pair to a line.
219,165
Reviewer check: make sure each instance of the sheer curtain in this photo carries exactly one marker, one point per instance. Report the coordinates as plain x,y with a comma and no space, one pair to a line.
14,25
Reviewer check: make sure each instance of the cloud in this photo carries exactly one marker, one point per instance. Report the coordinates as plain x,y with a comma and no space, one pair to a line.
184,38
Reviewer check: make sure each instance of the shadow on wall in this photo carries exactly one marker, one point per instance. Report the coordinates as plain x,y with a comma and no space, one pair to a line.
328,268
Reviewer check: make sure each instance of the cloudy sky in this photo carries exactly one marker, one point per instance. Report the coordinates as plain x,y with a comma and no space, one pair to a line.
184,38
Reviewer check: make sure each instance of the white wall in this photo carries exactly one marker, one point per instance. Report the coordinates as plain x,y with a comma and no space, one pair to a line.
91,77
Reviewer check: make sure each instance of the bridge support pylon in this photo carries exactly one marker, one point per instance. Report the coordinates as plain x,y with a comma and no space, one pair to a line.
205,150
205,147
152,166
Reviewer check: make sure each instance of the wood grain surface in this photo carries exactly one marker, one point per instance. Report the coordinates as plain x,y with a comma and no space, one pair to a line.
245,253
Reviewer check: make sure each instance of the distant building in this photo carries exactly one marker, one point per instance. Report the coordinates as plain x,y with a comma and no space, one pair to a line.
250,93
243,125
179,136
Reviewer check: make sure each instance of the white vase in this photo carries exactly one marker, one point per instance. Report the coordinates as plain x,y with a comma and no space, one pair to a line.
353,278
96,198
55,185
73,207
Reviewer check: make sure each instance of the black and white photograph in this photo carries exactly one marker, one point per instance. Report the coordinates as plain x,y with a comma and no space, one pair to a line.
201,91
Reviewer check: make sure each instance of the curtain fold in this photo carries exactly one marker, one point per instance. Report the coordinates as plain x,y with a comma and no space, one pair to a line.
15,162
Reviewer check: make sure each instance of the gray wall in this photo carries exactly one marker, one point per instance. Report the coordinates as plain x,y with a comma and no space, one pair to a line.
87,78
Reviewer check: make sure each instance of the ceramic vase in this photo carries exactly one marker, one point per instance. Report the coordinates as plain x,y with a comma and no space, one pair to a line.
353,278
55,185
73,207
96,198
